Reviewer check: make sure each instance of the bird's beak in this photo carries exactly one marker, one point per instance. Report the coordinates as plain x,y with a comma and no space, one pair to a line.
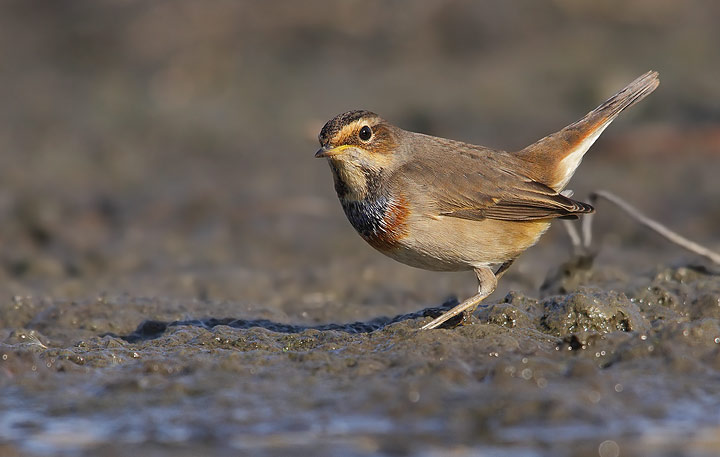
329,152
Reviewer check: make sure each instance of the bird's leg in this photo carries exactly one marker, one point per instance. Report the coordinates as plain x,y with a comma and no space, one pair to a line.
467,314
503,268
488,283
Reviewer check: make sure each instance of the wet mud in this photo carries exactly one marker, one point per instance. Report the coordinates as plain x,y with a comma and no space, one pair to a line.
633,367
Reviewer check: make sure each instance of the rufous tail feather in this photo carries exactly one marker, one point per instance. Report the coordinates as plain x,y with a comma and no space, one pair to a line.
561,152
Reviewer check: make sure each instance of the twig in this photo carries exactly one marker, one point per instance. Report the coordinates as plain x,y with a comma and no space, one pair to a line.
573,234
647,222
587,225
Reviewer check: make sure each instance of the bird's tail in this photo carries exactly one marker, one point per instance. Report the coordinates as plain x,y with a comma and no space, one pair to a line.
561,152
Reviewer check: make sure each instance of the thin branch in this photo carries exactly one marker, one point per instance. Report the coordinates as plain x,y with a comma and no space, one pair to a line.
587,225
572,232
647,222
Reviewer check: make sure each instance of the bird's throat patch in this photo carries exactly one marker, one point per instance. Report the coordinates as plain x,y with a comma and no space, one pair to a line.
381,221
351,181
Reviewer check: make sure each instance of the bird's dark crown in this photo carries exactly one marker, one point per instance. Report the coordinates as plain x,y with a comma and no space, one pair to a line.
336,124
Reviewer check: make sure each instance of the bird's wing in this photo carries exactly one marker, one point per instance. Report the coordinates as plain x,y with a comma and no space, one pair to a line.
470,182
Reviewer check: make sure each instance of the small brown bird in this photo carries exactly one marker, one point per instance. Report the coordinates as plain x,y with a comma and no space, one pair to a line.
444,205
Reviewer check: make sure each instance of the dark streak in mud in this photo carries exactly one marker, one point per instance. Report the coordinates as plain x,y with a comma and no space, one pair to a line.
153,329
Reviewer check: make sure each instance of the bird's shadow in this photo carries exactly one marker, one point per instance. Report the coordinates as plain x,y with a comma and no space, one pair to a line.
152,329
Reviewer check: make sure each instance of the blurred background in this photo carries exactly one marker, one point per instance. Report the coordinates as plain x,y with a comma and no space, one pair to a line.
166,148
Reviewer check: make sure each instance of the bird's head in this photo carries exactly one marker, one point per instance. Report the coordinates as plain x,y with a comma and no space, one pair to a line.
361,147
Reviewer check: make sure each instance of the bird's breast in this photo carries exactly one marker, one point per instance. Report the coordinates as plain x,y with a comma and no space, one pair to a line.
381,221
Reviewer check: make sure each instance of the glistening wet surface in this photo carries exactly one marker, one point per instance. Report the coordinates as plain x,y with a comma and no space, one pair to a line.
632,365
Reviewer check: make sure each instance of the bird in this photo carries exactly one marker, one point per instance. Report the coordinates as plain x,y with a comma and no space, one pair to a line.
445,205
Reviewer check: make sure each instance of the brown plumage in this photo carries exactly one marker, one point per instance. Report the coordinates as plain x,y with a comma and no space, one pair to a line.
445,205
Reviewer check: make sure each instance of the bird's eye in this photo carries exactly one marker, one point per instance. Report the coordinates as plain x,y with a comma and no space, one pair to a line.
365,133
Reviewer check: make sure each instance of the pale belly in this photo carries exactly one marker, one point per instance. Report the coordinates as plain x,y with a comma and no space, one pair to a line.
452,244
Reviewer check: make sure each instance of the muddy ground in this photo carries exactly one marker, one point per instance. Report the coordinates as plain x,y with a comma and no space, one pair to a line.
632,366
177,276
